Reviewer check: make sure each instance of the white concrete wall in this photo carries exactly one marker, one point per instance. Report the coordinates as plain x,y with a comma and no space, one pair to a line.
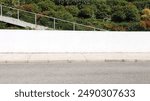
65,41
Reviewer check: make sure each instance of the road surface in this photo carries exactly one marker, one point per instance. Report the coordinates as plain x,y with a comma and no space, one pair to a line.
76,72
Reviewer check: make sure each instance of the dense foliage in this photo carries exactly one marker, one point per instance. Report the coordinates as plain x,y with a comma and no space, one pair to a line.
131,15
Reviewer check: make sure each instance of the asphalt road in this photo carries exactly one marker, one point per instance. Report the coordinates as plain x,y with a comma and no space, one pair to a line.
76,72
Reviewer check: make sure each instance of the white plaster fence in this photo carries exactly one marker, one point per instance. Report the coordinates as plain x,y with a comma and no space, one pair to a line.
18,45
73,41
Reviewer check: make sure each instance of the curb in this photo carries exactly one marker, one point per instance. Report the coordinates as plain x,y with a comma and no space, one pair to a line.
73,57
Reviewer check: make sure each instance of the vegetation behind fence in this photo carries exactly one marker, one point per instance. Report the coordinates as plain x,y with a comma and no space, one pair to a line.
105,14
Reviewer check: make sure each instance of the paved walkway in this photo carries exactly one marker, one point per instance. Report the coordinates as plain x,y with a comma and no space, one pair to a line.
76,73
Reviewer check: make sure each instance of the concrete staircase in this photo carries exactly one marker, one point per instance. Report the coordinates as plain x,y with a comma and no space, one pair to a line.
22,23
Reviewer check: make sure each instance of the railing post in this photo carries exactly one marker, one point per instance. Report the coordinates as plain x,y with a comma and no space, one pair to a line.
35,19
94,29
74,26
54,23
1,10
18,14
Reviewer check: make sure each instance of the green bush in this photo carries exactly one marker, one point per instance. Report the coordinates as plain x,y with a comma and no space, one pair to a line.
125,13
73,10
64,15
71,2
103,11
135,27
2,25
46,5
30,7
86,12
109,14
141,4
44,21
118,14
132,13
117,2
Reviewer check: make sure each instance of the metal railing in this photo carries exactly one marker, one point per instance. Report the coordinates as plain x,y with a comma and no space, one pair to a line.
44,20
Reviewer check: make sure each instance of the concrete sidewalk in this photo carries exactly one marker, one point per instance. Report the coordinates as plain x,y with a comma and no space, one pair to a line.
48,57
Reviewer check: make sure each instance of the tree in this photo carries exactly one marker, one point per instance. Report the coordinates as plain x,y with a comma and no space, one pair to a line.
30,7
132,13
103,11
125,13
6,2
73,10
113,3
71,2
119,16
141,4
63,14
86,12
146,14
15,2
145,19
46,5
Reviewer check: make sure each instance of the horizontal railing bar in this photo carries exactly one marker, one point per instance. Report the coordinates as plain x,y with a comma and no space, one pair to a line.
54,18
67,21
85,25
18,9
